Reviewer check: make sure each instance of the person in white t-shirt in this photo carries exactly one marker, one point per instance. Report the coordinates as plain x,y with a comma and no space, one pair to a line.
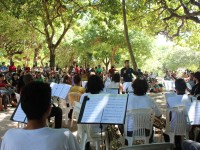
140,100
36,104
174,100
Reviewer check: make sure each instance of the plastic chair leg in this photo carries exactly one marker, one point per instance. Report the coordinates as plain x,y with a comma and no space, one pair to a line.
97,143
83,141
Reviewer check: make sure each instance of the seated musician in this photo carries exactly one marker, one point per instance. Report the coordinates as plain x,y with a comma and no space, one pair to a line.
115,83
77,85
179,99
55,111
36,135
140,100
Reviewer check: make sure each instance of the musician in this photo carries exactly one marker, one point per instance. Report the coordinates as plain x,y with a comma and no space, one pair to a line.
140,100
180,87
127,72
35,136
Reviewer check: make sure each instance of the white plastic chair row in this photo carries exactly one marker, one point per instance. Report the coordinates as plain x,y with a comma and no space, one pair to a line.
155,146
142,120
85,134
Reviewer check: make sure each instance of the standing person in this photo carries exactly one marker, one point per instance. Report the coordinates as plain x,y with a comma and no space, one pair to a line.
77,70
99,70
12,67
37,107
3,68
47,69
127,75
112,71
127,72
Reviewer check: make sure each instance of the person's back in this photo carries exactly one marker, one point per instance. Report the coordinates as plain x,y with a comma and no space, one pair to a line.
39,139
140,100
36,136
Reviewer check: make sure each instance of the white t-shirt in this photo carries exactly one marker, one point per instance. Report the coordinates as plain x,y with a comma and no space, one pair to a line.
178,100
136,102
39,139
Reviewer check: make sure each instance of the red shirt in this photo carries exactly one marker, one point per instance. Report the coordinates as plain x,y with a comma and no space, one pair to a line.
12,69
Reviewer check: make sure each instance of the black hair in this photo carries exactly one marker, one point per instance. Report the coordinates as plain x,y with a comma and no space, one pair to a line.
77,79
1,75
180,85
116,77
126,61
35,100
94,85
197,75
140,86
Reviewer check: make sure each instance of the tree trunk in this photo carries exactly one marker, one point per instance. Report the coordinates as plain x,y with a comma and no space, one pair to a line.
127,36
36,53
11,60
52,59
112,60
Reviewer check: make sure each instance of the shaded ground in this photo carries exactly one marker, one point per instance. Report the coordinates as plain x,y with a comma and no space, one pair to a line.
6,123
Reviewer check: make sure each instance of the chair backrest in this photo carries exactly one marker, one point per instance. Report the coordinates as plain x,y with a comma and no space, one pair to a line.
72,97
156,146
179,124
17,97
142,120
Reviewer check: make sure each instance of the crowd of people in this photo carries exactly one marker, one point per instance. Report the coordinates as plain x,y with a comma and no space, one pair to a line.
37,105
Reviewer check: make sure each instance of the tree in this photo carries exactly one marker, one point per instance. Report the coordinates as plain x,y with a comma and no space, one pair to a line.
14,35
52,18
127,35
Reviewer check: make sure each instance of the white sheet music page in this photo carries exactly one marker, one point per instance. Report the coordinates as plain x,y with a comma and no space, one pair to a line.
115,109
112,90
53,86
58,90
19,115
105,108
65,91
194,113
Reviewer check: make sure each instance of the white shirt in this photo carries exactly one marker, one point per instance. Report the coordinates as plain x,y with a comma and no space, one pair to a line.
178,100
39,139
136,102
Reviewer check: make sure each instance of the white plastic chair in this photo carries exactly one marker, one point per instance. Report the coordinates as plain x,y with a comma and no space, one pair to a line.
76,111
155,146
142,120
179,126
72,98
89,136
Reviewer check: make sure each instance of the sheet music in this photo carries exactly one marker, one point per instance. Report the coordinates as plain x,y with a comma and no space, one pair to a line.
58,90
19,115
194,113
179,100
105,108
65,91
53,86
112,90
